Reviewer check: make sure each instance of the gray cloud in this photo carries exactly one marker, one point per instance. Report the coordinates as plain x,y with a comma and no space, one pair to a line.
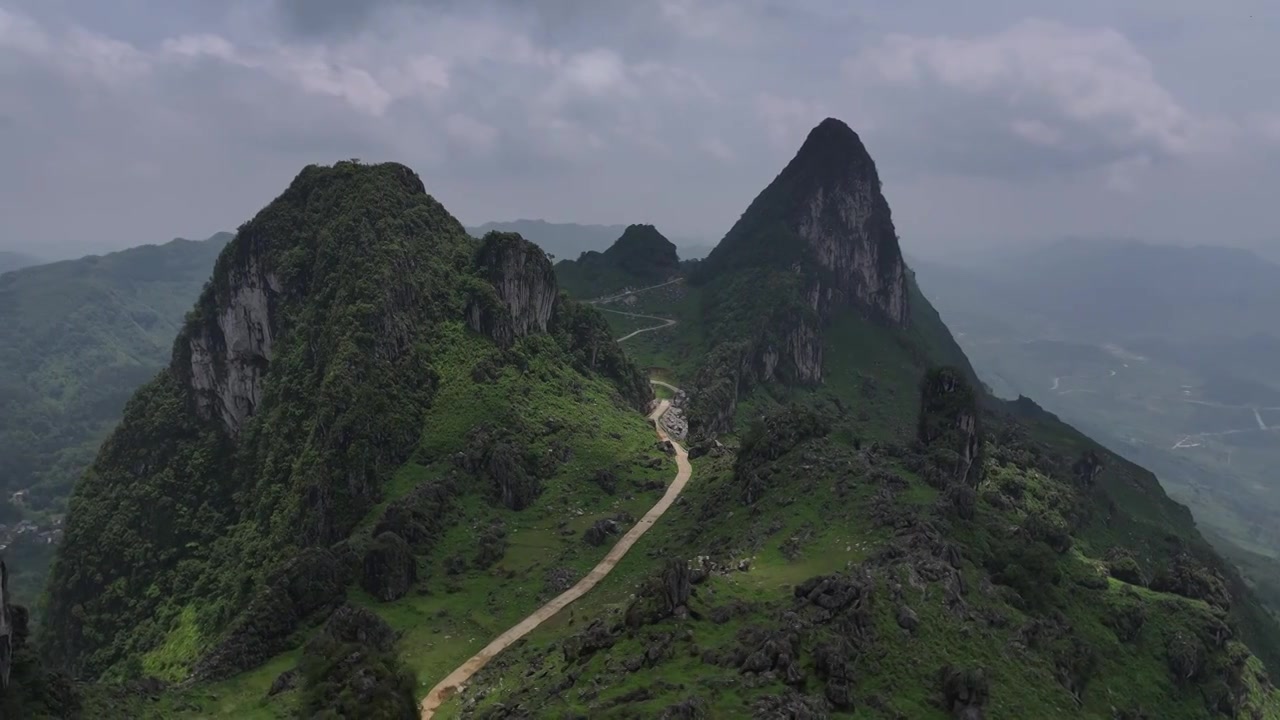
165,118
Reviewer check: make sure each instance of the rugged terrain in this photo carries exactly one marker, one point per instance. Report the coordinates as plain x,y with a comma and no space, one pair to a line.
1167,355
381,443
394,412
871,534
640,257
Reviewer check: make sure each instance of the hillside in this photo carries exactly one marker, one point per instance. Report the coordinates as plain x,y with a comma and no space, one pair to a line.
640,257
415,427
1180,375
868,534
10,261
77,338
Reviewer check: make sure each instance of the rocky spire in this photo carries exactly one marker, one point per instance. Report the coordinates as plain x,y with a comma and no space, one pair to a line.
825,215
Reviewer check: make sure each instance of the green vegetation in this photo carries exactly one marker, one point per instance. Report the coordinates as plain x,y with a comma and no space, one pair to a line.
429,441
639,258
562,241
1166,355
846,581
412,409
77,338
879,537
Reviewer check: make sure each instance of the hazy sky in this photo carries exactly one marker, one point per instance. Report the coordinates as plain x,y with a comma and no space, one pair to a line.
133,121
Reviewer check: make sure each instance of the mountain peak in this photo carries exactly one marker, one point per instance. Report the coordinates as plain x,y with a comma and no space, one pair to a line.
833,134
825,214
641,256
647,240
831,152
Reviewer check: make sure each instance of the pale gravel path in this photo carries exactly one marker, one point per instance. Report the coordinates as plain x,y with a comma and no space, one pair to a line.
457,679
666,323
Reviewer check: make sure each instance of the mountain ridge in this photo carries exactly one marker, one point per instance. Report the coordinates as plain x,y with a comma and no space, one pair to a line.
641,256
431,438
320,316
872,531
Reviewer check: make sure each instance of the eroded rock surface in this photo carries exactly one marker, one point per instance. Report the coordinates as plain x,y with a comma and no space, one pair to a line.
524,287
230,355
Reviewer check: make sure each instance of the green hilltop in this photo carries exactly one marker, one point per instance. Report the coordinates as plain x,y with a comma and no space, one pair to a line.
640,257
399,416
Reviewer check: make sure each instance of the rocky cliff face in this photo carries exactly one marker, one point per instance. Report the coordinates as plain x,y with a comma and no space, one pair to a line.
825,218
949,420
229,356
524,287
817,242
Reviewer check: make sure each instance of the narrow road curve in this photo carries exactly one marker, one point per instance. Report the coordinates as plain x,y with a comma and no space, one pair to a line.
666,323
611,298
668,386
457,679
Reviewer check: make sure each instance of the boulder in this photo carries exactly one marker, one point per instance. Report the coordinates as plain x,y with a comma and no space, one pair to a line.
389,568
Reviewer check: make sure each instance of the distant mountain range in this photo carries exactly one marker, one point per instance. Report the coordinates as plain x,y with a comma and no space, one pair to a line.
1169,355
566,241
10,261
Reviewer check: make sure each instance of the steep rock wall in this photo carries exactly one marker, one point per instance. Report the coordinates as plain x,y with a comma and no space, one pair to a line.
524,284
230,355
848,231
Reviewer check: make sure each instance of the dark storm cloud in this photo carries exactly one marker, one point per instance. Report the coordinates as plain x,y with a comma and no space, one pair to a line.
162,118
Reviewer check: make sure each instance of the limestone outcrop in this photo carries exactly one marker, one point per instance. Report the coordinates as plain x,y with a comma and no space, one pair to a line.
230,354
524,289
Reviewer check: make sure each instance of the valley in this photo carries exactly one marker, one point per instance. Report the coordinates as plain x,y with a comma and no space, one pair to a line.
1195,401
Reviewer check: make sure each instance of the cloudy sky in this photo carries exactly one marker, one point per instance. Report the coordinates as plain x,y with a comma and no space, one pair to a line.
136,121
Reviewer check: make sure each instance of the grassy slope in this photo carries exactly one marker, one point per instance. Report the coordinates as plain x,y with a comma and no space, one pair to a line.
450,617
1140,400
671,353
878,375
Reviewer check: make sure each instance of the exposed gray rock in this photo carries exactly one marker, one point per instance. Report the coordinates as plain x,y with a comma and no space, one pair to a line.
524,284
284,682
907,618
847,226
230,355
350,624
389,568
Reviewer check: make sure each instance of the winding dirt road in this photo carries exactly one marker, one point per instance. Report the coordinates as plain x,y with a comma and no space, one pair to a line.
619,296
666,323
457,679
668,386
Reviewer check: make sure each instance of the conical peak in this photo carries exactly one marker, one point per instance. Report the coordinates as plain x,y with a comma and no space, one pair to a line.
834,146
